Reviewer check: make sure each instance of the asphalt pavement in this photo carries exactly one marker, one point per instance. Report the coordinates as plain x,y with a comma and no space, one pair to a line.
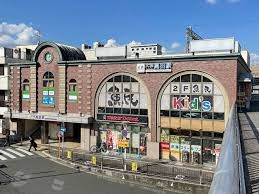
33,174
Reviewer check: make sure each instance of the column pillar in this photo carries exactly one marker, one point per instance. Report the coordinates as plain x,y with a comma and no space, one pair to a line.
33,88
62,88
85,137
44,132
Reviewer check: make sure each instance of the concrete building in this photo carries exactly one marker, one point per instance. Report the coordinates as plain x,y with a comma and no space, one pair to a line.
173,107
10,55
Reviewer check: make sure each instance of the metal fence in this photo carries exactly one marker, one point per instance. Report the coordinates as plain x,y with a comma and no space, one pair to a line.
156,169
229,174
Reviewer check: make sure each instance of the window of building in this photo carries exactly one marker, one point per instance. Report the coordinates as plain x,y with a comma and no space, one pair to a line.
48,91
26,89
72,90
123,95
1,69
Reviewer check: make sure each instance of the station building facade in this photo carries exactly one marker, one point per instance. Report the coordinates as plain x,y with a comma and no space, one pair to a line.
173,107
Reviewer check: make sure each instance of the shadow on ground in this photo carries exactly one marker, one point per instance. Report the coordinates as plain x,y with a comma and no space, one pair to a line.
249,126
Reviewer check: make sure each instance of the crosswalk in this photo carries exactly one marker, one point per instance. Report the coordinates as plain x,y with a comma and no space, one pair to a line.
14,153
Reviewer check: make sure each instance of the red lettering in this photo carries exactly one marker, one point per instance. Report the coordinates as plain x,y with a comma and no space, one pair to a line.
177,103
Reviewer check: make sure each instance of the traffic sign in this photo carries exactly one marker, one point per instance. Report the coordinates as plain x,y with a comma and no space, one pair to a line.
124,132
63,129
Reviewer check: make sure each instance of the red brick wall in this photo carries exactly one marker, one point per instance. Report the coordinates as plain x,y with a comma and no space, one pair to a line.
72,73
43,68
222,70
89,77
25,74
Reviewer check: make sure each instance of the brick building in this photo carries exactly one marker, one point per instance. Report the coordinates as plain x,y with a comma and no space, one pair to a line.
172,106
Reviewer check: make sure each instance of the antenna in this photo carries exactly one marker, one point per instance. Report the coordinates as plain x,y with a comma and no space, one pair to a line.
38,36
191,35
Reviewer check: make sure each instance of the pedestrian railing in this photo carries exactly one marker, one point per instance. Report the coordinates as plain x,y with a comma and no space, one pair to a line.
155,169
229,173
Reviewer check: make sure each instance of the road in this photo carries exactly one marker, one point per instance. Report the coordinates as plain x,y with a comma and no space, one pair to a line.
33,174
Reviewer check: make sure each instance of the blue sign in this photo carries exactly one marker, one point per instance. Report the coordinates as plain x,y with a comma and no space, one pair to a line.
63,129
124,132
49,100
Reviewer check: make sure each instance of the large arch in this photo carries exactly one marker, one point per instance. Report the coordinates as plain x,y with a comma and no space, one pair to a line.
123,98
194,108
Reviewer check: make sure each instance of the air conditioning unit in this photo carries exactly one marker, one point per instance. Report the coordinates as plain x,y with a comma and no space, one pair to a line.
16,53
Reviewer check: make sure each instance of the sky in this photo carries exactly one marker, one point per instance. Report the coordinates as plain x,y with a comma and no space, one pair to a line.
120,22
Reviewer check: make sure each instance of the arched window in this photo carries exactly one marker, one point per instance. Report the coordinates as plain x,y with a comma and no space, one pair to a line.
192,118
48,89
72,90
25,89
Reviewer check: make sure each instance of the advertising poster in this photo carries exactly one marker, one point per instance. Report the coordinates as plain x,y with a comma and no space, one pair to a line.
164,150
114,139
109,139
135,140
142,144
164,136
174,147
103,136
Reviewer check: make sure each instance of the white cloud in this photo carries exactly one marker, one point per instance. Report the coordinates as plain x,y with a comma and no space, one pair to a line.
111,43
17,34
254,59
175,45
212,2
133,43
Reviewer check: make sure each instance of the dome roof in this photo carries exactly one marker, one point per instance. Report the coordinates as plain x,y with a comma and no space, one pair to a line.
67,53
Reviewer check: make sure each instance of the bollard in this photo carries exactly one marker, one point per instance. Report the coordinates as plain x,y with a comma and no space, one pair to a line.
69,155
94,160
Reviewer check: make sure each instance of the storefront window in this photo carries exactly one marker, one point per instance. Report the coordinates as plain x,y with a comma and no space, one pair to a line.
192,108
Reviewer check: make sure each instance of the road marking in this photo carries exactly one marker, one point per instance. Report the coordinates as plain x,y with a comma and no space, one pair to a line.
24,151
7,154
15,152
2,158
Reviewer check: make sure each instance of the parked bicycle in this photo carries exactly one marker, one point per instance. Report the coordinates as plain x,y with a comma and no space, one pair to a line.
102,148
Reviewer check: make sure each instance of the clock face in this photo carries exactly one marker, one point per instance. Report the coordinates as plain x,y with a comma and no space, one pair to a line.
48,57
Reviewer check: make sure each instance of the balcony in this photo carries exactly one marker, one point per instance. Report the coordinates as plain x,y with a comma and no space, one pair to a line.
4,82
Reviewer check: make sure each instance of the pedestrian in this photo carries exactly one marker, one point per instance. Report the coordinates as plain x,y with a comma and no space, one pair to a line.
33,143
7,138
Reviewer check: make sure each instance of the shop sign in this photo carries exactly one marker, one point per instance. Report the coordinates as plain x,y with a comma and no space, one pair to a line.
164,150
164,146
175,147
154,67
196,104
194,88
25,95
48,100
118,97
38,117
132,119
72,96
123,143
196,148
